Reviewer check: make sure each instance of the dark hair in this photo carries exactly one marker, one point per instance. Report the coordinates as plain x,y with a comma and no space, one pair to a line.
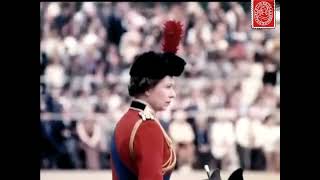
139,85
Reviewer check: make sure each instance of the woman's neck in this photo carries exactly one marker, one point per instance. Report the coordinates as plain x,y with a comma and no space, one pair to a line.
144,100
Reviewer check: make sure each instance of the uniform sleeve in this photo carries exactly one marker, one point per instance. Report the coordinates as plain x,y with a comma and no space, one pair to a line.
148,147
114,175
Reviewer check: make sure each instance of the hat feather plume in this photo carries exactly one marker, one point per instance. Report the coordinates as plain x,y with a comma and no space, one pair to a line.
172,36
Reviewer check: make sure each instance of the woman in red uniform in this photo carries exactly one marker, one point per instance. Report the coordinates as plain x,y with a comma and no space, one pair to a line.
140,147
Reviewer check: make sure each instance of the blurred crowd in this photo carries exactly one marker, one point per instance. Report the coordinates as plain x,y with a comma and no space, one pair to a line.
227,110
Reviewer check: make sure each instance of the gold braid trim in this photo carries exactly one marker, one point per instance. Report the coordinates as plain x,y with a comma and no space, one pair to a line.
133,133
171,165
171,162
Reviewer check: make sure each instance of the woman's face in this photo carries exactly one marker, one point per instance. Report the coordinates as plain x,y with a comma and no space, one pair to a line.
160,96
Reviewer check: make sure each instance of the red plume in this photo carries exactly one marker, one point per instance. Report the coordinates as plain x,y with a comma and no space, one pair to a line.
172,36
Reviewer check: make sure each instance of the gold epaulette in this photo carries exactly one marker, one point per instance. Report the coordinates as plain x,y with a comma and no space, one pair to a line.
146,114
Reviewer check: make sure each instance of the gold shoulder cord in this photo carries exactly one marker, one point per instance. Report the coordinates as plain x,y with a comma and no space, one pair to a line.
133,133
171,162
172,158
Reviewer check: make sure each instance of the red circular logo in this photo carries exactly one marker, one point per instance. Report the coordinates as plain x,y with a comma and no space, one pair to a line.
263,13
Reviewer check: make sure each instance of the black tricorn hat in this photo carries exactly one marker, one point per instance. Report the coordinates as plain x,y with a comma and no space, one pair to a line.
156,65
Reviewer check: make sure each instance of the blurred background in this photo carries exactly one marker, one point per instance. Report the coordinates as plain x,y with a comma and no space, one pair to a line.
227,110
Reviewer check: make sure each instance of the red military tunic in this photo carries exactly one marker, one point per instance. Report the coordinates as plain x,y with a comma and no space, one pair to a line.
152,156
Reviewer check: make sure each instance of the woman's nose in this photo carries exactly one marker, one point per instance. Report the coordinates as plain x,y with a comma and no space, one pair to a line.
173,94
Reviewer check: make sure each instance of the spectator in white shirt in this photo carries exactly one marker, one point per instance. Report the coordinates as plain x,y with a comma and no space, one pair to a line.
222,138
183,136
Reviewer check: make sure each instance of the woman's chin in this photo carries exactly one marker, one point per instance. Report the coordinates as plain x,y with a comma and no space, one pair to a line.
163,108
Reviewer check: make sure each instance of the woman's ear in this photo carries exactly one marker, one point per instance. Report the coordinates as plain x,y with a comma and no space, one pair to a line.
147,93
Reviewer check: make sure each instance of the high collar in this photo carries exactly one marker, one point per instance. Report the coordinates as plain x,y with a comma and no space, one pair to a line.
141,105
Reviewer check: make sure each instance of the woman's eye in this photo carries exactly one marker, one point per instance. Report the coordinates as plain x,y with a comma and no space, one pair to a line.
171,87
